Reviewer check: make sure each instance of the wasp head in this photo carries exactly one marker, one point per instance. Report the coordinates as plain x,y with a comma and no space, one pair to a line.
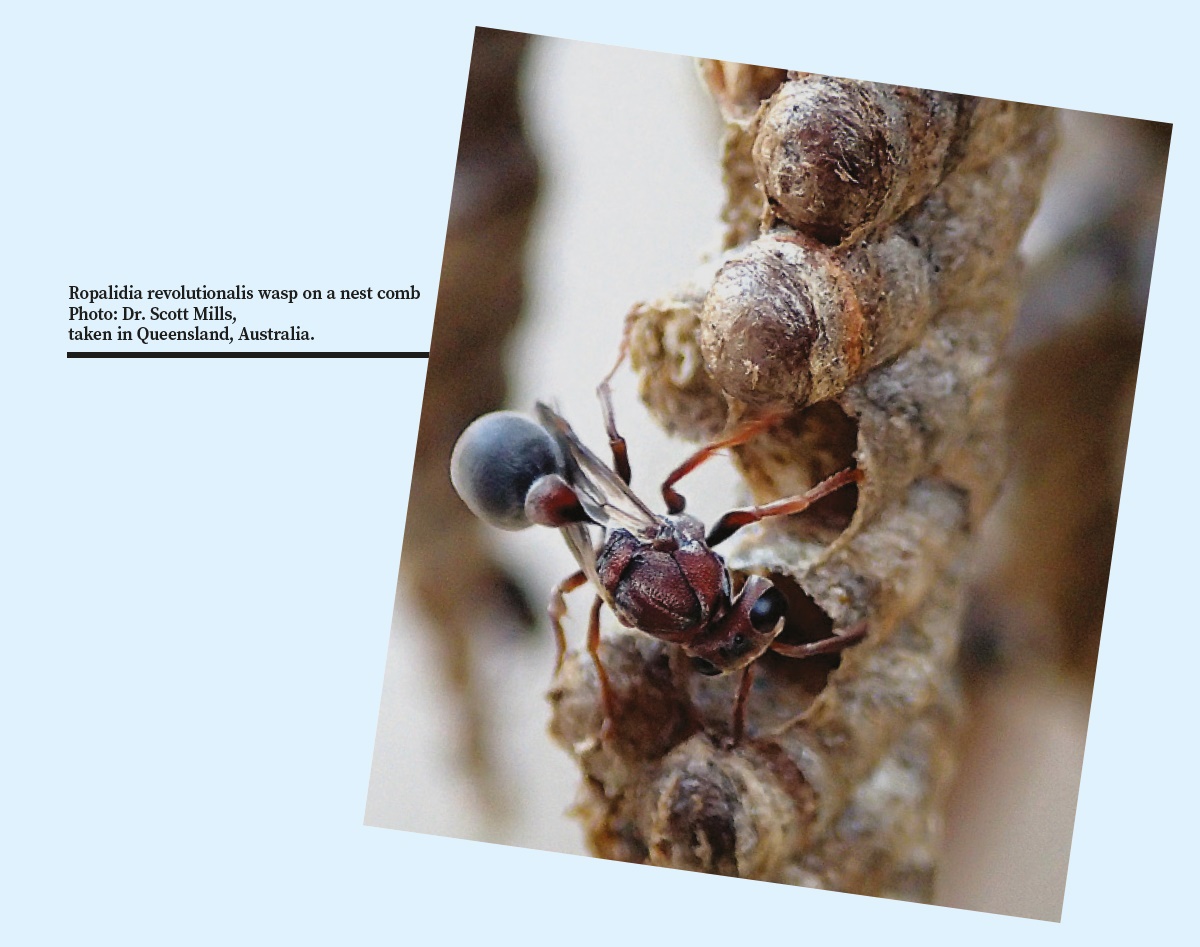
744,633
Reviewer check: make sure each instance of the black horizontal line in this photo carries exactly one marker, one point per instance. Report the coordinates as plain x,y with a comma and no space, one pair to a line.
247,355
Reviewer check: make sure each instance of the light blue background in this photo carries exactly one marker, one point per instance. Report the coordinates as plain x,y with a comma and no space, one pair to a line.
199,557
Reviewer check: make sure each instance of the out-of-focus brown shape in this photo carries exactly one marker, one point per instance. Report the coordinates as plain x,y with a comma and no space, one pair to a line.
841,780
1072,399
1041,578
446,562
1041,590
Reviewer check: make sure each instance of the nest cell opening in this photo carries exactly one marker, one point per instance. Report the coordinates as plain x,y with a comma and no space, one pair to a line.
797,454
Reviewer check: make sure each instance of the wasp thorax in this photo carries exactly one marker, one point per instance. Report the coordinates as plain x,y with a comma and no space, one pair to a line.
668,587
496,461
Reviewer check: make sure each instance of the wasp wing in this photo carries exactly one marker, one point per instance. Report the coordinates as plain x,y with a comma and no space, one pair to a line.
605,497
579,541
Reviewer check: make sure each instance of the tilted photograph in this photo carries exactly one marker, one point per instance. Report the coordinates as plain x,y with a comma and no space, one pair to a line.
768,473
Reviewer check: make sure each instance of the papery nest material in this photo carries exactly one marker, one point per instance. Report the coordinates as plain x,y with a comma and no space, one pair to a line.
879,331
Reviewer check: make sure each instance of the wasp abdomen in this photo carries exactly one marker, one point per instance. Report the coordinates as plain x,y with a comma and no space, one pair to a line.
497,460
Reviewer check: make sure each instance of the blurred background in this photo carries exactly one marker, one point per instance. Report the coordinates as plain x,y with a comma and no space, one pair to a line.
589,179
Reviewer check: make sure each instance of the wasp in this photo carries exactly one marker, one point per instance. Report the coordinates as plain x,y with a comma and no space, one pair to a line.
657,573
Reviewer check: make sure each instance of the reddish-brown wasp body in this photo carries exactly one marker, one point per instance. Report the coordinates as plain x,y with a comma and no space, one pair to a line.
658,573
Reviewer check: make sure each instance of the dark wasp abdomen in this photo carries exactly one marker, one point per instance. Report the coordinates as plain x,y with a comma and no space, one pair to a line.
495,462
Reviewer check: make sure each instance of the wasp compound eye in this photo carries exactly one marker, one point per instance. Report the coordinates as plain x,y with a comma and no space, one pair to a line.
766,612
495,462
707,668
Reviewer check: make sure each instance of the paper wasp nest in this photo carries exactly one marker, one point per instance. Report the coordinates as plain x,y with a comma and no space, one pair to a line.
869,281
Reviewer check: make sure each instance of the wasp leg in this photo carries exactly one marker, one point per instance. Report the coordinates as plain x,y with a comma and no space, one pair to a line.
620,452
607,702
734,520
738,728
831,645
558,608
748,431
